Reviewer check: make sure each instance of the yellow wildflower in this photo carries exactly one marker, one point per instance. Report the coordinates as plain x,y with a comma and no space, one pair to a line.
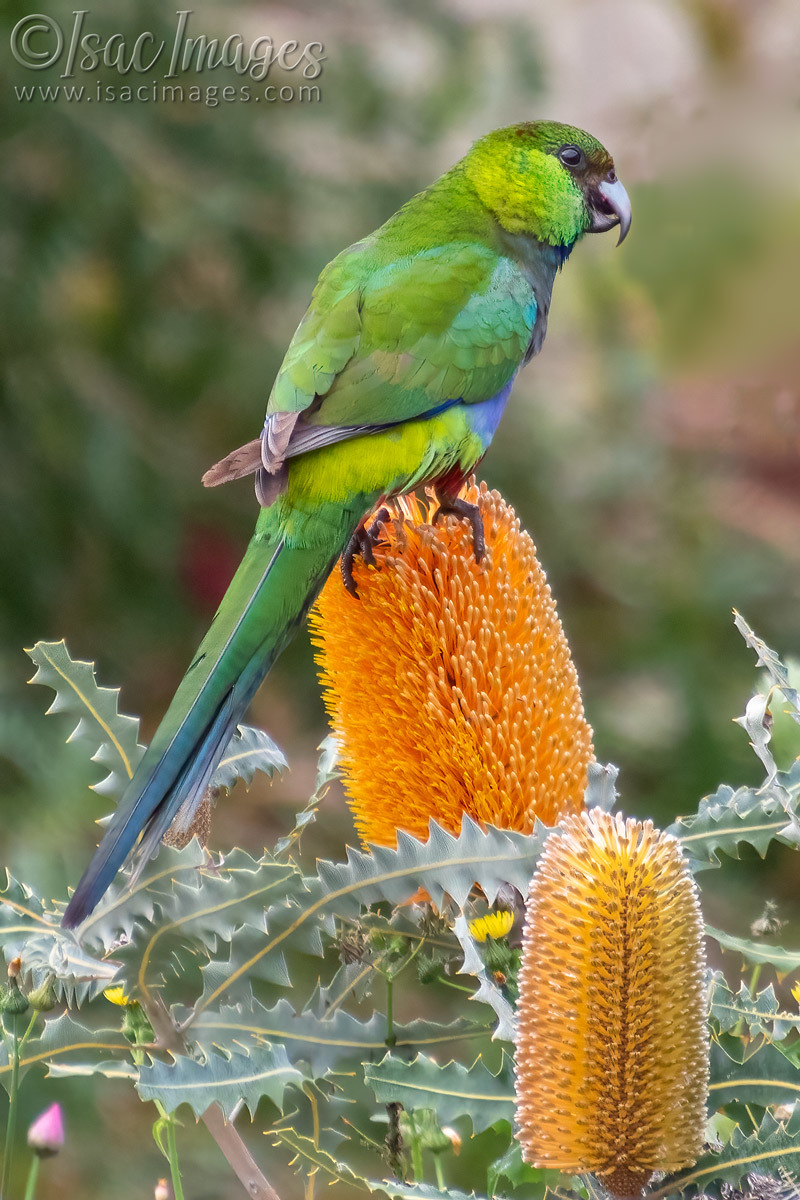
494,925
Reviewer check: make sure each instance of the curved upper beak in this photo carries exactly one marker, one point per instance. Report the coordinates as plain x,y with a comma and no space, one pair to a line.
611,206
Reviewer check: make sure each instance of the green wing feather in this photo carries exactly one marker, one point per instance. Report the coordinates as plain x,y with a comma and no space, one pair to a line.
387,343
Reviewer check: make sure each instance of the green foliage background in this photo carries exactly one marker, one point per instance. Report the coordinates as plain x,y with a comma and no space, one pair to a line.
156,258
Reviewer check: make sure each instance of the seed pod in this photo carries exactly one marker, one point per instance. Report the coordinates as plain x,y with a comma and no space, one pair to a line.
612,1045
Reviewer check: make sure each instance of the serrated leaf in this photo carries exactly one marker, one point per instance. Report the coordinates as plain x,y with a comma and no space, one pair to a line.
451,1091
757,723
511,1168
242,1078
774,1147
728,818
784,961
601,786
109,735
310,1159
418,1191
488,992
324,1043
769,660
766,1076
445,865
248,751
60,1037
761,1013
32,933
194,904
327,771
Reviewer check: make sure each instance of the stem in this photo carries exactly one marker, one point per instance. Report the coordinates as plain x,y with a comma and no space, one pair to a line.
239,1157
174,1169
33,1175
11,1123
416,1151
754,978
390,1038
437,1162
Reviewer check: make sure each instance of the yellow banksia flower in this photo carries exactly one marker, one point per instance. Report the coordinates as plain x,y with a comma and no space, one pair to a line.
494,925
612,1046
449,683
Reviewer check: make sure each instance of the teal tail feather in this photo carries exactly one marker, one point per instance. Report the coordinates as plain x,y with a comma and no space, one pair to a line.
269,597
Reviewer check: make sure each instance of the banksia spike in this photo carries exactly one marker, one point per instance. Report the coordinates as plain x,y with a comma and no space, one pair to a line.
450,682
612,1047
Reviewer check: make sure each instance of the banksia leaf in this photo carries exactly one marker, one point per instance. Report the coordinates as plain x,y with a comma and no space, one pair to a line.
612,1048
450,686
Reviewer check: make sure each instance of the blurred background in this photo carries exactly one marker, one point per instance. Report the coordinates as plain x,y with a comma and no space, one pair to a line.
156,257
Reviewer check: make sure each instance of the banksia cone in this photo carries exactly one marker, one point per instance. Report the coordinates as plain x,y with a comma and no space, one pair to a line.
612,1048
449,682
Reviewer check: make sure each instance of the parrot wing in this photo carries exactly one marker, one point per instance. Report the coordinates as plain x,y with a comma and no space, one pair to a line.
381,345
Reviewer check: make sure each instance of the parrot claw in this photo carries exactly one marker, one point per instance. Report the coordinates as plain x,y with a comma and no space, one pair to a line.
453,505
360,545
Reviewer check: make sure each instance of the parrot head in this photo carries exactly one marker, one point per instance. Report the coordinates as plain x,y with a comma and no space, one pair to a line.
548,181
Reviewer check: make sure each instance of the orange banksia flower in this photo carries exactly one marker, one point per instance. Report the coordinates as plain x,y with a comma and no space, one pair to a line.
449,682
612,1047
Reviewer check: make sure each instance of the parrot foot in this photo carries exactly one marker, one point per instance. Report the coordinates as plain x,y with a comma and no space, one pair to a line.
360,545
453,505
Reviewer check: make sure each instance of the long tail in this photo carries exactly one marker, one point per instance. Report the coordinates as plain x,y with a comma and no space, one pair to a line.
267,600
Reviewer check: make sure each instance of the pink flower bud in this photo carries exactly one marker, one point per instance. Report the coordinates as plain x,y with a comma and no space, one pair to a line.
163,1190
46,1134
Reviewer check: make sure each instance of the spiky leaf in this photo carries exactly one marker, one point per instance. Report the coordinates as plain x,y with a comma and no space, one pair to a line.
32,933
445,865
770,661
248,751
488,991
62,1039
110,737
761,1012
265,1071
325,1044
194,904
774,1147
451,1091
784,961
728,818
765,1077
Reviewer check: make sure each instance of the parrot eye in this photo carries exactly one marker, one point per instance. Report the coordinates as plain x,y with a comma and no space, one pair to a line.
571,156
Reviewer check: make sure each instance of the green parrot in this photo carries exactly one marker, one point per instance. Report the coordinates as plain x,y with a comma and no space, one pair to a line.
397,376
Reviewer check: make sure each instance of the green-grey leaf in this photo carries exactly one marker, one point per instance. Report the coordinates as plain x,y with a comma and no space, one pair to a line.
773,1148
63,1039
765,1077
451,1091
323,1043
245,1078
761,1013
109,735
444,865
312,1160
784,961
248,751
727,818
31,932
488,992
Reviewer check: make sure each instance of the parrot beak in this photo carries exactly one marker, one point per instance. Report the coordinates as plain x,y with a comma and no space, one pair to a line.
610,206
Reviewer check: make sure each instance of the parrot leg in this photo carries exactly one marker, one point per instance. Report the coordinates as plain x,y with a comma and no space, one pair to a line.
453,505
361,544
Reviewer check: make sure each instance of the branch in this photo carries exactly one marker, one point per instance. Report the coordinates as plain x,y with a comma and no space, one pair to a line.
224,1134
